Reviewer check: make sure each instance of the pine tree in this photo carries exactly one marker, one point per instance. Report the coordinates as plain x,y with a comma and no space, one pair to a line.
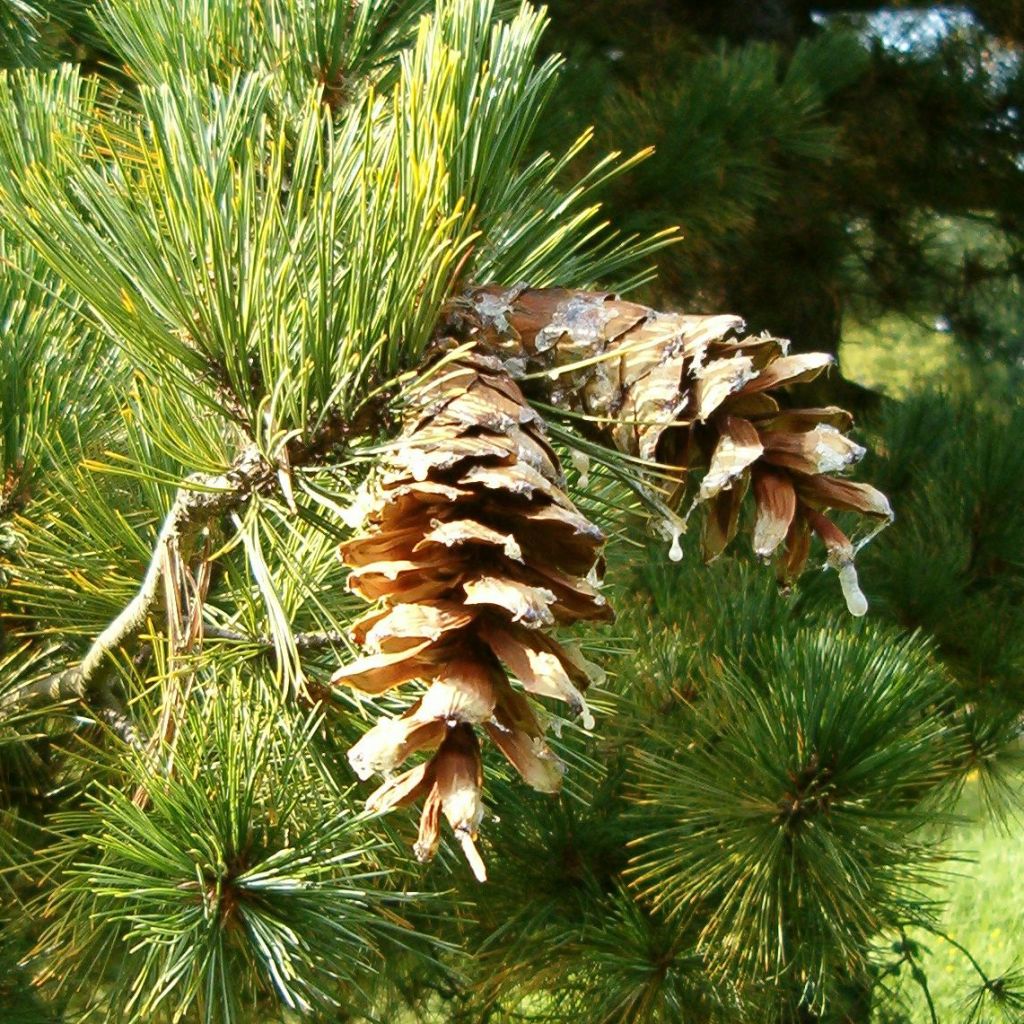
289,280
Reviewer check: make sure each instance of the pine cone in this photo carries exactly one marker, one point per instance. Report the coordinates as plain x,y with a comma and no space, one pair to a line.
474,550
691,393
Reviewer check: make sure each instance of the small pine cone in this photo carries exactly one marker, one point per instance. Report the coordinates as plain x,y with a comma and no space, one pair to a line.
693,394
473,550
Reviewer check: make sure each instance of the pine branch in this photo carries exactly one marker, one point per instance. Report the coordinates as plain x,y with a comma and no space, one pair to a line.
303,641
204,498
112,712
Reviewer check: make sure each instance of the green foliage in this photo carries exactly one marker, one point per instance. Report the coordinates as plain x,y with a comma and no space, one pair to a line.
272,276
44,352
22,1005
48,347
18,32
180,888
819,758
35,34
816,746
878,168
84,546
22,27
727,128
954,568
294,44
45,346
243,246
621,964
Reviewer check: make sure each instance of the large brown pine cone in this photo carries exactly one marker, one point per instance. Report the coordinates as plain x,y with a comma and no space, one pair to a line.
474,550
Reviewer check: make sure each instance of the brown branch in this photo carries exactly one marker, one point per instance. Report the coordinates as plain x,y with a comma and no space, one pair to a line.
113,713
